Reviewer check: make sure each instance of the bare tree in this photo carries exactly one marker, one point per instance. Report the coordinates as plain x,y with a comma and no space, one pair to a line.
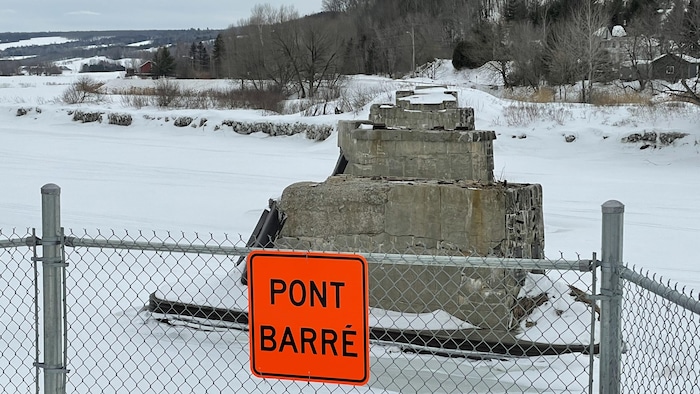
387,51
497,38
458,17
251,52
642,46
526,52
563,55
576,48
84,89
593,25
681,30
313,51
265,15
639,55
341,5
690,91
321,57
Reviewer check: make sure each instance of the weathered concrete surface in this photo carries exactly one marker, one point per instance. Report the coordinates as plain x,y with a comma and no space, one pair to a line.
347,213
427,154
426,90
418,179
427,108
425,117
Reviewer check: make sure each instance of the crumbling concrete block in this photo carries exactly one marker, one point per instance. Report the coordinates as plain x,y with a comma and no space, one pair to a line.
347,213
417,153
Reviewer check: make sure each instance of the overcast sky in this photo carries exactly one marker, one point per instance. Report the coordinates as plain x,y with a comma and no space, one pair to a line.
78,15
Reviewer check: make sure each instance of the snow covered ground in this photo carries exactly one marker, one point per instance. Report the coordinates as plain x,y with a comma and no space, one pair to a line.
36,41
155,176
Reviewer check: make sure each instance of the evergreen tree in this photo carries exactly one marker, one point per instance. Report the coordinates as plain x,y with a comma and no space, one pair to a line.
515,10
202,59
218,55
163,63
193,55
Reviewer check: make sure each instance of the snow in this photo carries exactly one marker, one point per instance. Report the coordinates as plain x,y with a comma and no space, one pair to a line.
76,64
154,176
618,31
429,98
88,47
18,57
141,43
36,41
687,58
690,59
561,319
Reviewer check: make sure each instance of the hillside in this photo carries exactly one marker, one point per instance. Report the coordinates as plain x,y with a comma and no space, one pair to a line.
43,47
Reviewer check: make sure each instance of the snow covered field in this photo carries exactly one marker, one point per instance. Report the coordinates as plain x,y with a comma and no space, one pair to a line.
198,179
155,176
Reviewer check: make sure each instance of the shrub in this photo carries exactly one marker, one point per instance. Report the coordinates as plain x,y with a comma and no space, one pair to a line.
167,93
468,54
318,132
119,119
266,98
136,101
460,56
183,121
84,89
355,99
87,117
539,95
523,114
607,98
314,132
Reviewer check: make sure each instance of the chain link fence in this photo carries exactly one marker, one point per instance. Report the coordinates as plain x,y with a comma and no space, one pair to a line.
148,312
165,313
661,336
117,345
18,320
168,313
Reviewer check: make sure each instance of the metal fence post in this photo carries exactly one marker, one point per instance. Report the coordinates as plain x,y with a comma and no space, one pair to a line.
53,268
611,300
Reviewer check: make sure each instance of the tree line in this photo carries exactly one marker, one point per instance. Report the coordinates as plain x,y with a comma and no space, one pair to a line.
527,42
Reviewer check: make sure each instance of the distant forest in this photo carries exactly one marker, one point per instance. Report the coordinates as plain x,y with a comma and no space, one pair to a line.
527,41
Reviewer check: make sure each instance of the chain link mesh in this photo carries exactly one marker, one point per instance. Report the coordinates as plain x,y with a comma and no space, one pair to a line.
17,314
167,321
661,342
153,313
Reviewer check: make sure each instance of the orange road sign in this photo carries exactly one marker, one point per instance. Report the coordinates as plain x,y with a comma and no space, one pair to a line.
308,316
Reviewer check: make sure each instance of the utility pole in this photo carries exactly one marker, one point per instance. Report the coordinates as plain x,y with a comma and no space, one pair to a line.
413,46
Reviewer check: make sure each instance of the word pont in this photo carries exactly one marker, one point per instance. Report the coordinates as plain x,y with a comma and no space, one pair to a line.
297,292
308,316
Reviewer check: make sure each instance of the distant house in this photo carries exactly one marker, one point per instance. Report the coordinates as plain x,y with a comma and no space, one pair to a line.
146,69
43,69
630,71
616,42
672,68
101,66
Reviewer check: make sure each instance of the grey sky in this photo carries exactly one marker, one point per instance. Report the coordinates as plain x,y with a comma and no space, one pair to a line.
78,15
